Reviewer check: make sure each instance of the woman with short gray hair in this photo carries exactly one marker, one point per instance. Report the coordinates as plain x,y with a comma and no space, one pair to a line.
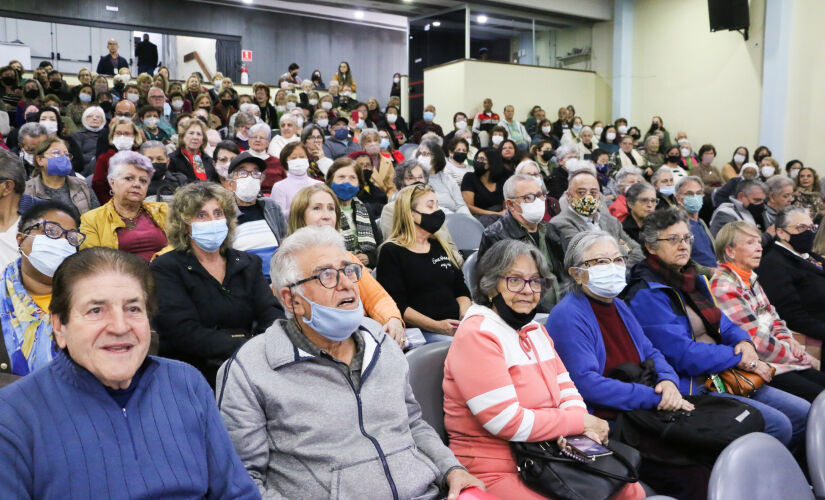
641,202
498,332
127,221
289,132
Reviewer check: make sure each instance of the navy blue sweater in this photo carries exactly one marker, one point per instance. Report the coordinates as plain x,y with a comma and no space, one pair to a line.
63,436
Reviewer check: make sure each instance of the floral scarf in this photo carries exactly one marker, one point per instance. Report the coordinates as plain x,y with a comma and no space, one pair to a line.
27,329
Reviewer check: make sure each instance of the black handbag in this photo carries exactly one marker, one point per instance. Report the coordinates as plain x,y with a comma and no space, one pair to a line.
547,470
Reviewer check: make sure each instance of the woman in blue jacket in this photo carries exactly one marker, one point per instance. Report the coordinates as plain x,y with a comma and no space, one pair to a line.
677,312
594,332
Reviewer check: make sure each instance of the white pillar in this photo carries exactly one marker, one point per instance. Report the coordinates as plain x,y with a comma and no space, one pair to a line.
775,63
622,58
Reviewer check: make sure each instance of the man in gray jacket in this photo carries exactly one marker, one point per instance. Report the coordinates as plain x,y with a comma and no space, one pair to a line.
584,212
747,204
320,406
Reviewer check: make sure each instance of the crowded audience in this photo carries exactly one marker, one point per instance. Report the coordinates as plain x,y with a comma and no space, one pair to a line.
250,231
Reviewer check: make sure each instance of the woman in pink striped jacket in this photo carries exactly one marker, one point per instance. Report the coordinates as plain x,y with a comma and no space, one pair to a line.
503,380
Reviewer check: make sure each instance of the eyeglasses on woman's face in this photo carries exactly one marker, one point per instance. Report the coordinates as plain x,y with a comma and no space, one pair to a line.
516,284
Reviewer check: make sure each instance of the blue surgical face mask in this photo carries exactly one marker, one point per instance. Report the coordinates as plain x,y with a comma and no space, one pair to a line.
344,190
60,166
607,280
334,324
341,134
209,235
385,143
693,203
428,116
667,190
577,128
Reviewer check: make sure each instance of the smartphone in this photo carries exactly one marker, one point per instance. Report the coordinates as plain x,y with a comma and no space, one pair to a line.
586,447
355,116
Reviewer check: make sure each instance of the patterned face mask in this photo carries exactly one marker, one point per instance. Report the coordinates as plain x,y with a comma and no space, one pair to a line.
586,206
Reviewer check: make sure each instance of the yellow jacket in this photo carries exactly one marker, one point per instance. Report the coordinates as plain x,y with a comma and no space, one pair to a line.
384,176
100,225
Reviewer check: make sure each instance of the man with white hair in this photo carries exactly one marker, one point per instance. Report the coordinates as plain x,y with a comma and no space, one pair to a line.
558,181
582,213
525,201
290,132
320,404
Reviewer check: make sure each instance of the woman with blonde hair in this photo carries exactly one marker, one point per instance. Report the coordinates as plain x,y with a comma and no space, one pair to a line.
212,298
420,269
190,159
316,205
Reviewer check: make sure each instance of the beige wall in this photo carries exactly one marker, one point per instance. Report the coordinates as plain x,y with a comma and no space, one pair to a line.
708,84
463,85
804,126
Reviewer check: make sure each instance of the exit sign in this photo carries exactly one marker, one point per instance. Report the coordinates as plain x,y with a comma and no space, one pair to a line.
246,55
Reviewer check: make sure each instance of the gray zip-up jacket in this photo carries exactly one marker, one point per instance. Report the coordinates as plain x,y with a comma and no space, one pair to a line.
302,431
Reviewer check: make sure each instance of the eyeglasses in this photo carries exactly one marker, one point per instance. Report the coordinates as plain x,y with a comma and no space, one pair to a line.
603,261
516,284
55,153
803,227
675,240
329,277
531,197
243,174
647,201
55,231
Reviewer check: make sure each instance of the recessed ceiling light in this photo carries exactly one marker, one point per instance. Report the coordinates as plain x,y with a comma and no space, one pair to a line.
427,27
436,23
247,1
482,19
359,14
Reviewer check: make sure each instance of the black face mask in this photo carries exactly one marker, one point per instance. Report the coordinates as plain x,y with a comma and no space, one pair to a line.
294,74
10,80
479,167
32,94
636,136
460,157
516,320
107,106
204,107
547,155
55,84
119,84
760,157
226,102
674,158
757,211
160,171
432,222
367,174
802,242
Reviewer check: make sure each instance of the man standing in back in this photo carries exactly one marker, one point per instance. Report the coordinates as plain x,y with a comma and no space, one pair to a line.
112,62
147,55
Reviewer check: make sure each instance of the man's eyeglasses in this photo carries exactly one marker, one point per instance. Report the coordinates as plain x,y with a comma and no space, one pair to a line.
516,284
675,240
55,231
329,277
603,261
242,174
530,198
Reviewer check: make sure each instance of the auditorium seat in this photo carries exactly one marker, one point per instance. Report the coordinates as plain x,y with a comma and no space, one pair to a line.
469,270
465,230
757,466
408,150
426,374
815,444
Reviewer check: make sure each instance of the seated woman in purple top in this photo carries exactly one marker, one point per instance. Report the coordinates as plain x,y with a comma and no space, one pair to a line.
295,160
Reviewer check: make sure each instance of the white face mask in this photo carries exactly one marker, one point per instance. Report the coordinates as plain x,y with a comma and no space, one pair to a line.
177,104
247,189
151,122
391,117
461,124
47,253
611,136
51,127
298,166
28,157
133,97
299,121
794,172
598,131
533,212
767,171
313,102
622,129
84,97
739,158
326,105
546,130
259,154
323,123
497,139
396,80
290,105
685,152
123,143
424,161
